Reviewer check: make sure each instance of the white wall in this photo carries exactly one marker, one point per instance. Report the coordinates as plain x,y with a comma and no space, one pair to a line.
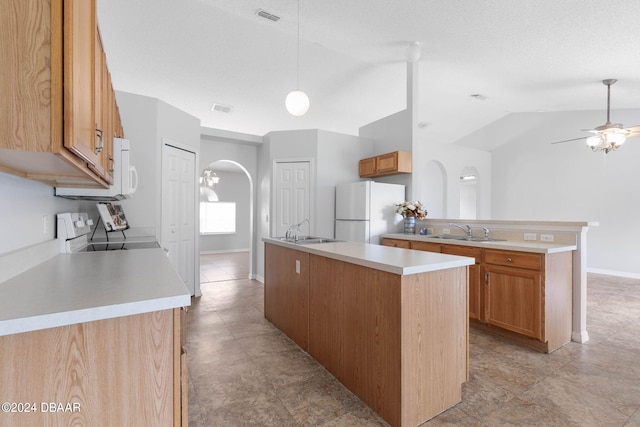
535,180
24,204
146,122
433,159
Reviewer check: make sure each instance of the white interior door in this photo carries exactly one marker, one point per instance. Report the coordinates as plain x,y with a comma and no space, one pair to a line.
178,211
293,200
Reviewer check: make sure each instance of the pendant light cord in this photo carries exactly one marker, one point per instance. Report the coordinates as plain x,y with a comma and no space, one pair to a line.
298,52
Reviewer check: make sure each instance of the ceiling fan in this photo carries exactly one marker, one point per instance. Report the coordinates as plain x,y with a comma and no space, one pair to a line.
609,136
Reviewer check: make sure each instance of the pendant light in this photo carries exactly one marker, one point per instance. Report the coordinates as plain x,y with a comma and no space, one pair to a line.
297,102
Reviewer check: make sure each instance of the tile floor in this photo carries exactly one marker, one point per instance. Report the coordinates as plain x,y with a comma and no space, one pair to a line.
245,372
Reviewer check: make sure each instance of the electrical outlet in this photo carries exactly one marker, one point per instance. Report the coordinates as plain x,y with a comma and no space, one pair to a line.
298,266
546,237
446,231
45,224
530,236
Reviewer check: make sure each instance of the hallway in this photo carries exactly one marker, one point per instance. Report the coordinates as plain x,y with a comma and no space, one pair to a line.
244,372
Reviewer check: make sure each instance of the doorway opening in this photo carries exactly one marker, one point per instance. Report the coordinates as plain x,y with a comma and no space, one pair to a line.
226,222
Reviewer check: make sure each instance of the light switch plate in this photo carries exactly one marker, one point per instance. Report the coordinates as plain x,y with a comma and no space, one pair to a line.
530,236
446,231
546,237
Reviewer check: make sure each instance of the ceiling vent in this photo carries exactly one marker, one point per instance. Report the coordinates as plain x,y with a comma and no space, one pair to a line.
221,108
264,14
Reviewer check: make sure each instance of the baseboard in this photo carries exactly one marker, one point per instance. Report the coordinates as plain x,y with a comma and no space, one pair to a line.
223,251
258,278
614,273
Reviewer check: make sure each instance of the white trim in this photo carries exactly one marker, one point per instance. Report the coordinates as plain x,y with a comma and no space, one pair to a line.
614,273
259,278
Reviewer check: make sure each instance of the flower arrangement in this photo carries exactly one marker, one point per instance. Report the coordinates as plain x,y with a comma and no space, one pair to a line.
409,209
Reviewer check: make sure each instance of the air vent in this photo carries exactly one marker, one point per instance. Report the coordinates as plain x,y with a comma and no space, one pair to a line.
221,108
263,13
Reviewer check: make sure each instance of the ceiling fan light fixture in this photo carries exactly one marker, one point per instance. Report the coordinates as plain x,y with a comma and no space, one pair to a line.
616,139
593,141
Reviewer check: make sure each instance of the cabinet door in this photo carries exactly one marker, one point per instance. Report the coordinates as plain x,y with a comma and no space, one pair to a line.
514,300
367,167
100,167
79,79
387,163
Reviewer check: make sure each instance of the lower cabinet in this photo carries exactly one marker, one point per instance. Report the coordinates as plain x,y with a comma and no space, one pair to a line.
123,371
524,294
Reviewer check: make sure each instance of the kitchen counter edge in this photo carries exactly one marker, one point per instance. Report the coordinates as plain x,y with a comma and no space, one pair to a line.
392,260
511,245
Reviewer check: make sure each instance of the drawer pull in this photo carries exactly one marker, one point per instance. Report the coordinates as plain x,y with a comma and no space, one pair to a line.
509,260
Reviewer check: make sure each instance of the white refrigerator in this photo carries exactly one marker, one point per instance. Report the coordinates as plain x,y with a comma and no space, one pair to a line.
366,209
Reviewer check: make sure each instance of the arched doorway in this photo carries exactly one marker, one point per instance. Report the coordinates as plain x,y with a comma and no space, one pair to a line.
226,217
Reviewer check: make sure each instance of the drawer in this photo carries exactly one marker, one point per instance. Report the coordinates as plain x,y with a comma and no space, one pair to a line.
426,246
396,243
463,251
513,259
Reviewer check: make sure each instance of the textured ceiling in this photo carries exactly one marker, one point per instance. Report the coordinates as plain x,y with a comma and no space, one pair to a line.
523,56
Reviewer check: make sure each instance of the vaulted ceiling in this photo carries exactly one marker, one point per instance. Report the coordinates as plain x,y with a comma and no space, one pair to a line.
521,56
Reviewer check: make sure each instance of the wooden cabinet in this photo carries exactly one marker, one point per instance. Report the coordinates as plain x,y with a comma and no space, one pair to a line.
49,90
526,294
387,337
286,299
475,289
122,371
385,164
396,243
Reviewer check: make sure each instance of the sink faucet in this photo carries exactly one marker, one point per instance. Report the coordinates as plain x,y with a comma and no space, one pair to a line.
292,232
466,228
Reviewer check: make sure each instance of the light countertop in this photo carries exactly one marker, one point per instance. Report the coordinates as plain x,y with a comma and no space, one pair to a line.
87,286
384,258
537,247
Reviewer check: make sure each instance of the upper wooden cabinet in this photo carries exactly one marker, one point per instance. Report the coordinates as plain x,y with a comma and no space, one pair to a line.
385,164
51,97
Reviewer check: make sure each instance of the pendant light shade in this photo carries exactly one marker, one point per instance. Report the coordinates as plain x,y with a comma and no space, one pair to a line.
297,103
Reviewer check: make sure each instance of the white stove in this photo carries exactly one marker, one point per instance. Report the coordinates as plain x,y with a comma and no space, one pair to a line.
73,228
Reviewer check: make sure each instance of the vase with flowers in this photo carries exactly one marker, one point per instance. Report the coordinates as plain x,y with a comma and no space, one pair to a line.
411,211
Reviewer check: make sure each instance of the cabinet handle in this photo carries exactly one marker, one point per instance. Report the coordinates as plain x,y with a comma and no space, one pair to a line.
111,169
486,278
509,260
100,146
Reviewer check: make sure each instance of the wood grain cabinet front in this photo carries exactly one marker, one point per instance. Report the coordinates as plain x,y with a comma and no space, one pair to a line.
286,298
52,88
385,164
525,294
124,371
396,243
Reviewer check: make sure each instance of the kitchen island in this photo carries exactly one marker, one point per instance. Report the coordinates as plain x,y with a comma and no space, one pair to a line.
94,338
390,324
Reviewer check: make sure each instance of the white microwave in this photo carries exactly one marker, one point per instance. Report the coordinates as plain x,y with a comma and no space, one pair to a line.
125,179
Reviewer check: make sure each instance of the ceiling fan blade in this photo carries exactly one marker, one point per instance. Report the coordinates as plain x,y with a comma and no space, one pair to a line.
567,140
635,128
